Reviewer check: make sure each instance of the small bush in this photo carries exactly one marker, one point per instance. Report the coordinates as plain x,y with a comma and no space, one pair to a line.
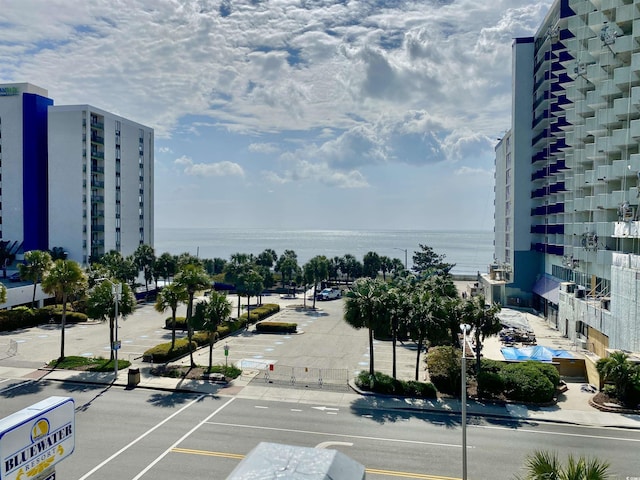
390,386
229,371
276,327
260,313
490,384
526,382
444,368
163,353
181,323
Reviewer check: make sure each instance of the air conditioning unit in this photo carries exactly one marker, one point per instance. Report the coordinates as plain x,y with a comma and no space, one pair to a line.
580,292
581,343
568,287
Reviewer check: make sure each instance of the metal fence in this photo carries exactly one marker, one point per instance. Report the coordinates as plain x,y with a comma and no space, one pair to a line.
306,377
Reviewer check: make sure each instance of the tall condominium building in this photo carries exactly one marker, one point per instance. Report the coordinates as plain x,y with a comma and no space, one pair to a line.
23,166
100,182
567,201
74,177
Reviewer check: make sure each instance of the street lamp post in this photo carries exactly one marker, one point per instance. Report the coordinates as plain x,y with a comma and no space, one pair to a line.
116,290
466,328
405,255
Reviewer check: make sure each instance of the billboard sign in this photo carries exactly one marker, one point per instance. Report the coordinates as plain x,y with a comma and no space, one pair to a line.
36,438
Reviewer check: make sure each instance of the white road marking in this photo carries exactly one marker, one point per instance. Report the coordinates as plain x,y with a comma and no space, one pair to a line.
181,439
133,442
339,435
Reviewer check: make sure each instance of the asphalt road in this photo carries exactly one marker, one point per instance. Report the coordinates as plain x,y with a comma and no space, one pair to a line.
131,434
142,434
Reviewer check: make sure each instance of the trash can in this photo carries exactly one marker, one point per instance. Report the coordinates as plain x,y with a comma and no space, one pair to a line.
134,377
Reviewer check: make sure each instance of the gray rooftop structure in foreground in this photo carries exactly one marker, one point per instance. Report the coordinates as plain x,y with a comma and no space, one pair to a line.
269,461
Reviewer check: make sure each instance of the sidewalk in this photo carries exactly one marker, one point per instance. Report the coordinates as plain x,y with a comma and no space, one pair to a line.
244,388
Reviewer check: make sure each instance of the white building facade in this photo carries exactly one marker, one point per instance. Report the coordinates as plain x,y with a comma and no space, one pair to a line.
101,182
74,177
23,152
576,166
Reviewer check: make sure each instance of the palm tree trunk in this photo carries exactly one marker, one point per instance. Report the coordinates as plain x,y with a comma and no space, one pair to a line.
33,299
210,353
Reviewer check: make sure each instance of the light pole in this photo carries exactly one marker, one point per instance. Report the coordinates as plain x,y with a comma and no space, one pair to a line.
116,290
466,328
405,255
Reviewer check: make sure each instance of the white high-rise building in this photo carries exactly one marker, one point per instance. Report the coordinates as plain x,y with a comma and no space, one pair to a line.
74,177
23,167
100,182
567,201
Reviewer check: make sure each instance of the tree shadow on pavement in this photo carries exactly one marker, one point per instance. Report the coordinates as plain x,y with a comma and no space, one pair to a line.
384,411
173,399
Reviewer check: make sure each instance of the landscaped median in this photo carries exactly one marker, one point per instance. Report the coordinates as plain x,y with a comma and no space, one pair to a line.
163,352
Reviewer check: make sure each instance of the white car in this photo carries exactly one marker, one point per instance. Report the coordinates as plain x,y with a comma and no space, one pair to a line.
329,294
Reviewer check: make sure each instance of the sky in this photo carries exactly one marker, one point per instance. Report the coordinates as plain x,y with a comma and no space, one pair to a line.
298,114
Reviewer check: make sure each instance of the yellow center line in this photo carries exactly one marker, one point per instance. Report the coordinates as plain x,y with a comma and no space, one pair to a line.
373,471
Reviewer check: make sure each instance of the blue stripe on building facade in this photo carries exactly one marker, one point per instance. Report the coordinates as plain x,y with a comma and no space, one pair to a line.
35,177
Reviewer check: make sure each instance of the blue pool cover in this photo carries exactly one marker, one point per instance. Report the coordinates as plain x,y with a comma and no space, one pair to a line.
538,353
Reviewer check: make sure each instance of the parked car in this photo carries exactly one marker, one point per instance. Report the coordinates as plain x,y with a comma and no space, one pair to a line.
329,294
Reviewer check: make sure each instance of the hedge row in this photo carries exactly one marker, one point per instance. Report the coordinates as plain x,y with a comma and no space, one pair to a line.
25,317
260,313
276,327
526,381
381,383
164,353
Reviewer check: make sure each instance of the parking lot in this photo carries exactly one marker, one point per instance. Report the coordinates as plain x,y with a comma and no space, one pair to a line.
324,341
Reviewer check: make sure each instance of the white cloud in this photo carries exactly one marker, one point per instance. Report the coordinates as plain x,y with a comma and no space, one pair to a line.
266,148
219,169
326,93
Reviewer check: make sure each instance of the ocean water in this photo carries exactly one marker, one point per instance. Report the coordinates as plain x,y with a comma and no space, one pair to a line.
471,251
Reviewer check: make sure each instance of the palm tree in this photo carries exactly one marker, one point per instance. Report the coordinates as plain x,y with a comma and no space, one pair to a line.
64,279
426,320
3,294
170,297
396,306
546,466
617,368
38,262
483,321
144,259
316,270
215,311
192,278
101,304
362,309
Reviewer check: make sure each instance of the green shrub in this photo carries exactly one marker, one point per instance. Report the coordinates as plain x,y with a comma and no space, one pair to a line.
229,371
276,327
490,384
493,366
390,386
548,371
526,382
163,353
25,317
181,323
260,313
420,389
444,368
